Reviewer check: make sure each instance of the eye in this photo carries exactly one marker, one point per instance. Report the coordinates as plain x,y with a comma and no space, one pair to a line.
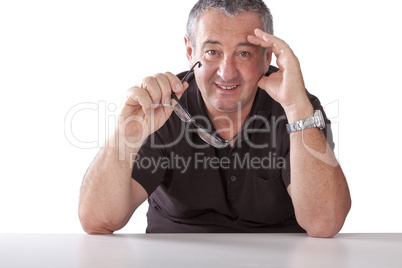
245,54
212,52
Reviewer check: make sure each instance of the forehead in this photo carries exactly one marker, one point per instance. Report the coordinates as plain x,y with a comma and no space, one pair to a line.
215,25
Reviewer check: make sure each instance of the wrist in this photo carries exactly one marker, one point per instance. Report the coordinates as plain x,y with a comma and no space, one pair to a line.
299,111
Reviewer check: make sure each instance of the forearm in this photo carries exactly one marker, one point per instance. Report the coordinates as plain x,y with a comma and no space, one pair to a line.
106,192
318,186
109,195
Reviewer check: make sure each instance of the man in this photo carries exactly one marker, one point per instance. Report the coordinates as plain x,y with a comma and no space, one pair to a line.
232,167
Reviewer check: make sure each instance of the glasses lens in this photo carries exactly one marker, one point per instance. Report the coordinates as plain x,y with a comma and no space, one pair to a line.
210,139
181,113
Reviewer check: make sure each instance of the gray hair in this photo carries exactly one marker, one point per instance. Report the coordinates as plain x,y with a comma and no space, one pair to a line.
230,8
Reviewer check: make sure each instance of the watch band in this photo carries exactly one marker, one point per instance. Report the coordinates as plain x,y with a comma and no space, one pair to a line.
317,120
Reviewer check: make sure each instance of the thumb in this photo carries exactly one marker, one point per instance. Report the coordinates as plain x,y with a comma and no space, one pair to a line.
180,90
264,84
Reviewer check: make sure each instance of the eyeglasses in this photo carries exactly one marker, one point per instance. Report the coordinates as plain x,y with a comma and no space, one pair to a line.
185,116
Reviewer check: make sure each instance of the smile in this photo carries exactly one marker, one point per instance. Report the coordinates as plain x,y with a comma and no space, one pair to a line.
227,88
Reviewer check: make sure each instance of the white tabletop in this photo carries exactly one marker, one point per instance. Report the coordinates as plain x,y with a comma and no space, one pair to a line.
200,250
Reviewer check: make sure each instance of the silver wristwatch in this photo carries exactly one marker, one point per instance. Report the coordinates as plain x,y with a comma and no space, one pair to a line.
317,120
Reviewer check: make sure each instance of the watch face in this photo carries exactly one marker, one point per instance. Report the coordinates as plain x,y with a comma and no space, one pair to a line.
319,119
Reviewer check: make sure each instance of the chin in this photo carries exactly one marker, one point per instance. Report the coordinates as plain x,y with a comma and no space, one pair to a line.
227,107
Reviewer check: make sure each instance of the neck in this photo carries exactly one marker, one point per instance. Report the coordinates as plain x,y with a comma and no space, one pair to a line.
228,124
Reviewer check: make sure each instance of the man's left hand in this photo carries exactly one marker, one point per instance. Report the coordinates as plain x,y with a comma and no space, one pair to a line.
285,86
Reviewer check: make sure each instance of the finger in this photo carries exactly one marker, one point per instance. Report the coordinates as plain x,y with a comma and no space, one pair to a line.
176,86
272,40
179,87
151,85
266,40
139,96
255,40
284,54
164,88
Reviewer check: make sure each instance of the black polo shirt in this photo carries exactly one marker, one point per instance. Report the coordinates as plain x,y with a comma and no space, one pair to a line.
194,187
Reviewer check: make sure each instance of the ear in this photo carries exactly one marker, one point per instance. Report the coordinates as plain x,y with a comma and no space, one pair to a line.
189,50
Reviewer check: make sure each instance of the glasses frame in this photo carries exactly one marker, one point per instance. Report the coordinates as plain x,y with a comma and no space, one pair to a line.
221,142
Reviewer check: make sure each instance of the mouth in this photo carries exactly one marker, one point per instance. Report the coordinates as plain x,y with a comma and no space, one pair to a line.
227,87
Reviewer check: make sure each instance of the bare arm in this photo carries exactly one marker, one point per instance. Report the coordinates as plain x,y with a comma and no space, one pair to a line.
109,196
318,188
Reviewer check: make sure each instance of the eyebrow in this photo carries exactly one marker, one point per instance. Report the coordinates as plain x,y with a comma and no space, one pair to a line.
214,42
210,42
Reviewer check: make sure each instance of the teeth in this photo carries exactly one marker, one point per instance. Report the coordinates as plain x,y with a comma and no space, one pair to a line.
223,87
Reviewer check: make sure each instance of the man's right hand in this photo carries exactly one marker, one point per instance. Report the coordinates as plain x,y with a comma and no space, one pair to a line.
109,195
147,106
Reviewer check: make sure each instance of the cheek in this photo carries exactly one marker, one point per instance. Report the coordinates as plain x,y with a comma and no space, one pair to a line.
204,74
252,74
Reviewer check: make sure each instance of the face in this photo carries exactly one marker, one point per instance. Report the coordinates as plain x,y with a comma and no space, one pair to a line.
231,66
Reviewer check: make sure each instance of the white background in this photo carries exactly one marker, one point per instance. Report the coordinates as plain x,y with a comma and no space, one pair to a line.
55,55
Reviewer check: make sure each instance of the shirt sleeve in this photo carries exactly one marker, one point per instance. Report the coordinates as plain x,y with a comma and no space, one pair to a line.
150,162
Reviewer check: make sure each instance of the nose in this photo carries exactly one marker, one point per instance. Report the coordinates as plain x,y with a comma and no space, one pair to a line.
227,69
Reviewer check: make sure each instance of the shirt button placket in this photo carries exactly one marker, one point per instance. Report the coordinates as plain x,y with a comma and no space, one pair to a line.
232,184
232,156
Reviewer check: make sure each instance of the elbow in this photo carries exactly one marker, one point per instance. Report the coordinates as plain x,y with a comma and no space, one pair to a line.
97,219
94,230
91,225
322,231
321,228
324,226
